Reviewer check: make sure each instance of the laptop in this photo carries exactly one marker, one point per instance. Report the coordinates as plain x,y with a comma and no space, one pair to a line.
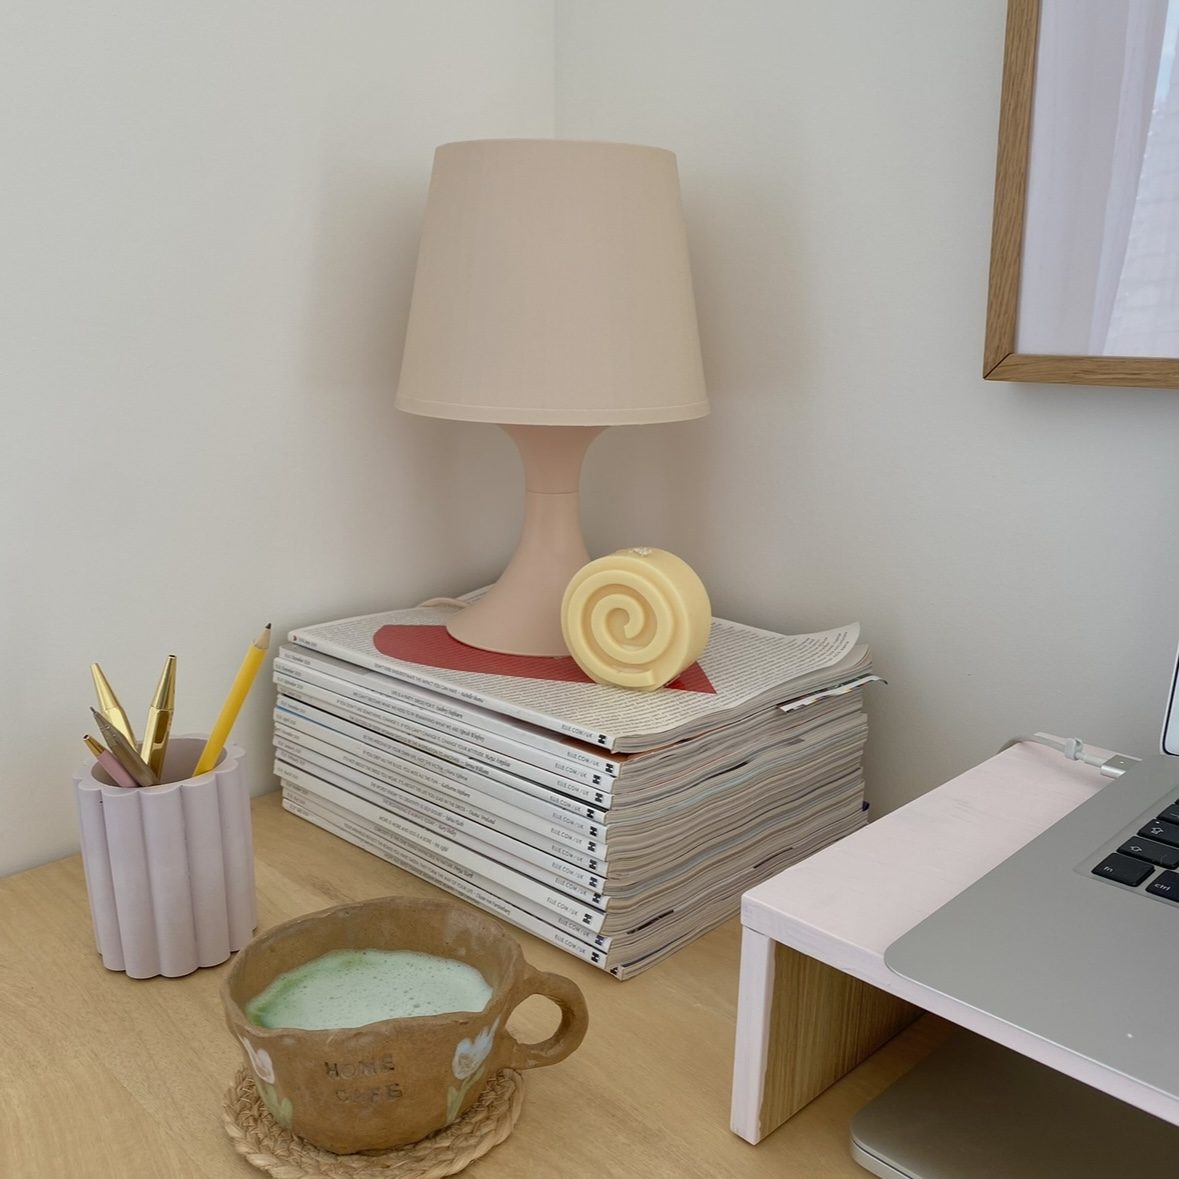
973,1109
1075,938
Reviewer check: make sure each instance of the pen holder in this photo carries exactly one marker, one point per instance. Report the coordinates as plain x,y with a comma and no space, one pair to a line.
169,868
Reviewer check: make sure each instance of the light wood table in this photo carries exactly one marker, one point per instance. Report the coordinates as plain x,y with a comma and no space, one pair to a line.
108,1076
816,996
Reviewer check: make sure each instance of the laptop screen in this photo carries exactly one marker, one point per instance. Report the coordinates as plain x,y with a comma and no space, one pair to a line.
1169,742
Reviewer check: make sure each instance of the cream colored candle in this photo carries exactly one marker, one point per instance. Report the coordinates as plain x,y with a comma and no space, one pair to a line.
636,618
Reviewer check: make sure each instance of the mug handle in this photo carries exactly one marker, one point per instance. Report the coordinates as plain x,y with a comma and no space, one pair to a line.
574,1020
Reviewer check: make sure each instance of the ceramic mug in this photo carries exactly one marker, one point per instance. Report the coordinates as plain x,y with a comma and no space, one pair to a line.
397,1080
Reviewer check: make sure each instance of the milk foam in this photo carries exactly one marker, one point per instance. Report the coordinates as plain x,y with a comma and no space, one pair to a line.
349,988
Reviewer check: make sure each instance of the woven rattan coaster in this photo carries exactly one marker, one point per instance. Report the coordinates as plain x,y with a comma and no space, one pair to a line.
261,1141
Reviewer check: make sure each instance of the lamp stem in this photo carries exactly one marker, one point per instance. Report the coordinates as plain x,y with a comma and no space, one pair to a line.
521,613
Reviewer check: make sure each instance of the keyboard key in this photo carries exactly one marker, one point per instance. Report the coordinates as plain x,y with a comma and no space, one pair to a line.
1123,869
1163,832
1165,884
1171,814
1151,852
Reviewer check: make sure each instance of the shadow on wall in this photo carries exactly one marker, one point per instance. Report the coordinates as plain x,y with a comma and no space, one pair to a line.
430,496
360,277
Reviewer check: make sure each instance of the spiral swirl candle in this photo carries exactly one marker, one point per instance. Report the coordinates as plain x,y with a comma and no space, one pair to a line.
636,618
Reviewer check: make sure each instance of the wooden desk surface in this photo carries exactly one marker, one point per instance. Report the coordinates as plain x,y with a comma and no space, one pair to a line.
109,1076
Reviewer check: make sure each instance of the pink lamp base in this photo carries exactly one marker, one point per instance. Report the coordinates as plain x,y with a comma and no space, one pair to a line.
521,613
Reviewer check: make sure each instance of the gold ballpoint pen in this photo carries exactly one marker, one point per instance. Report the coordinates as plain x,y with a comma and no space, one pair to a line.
126,753
110,763
159,719
108,703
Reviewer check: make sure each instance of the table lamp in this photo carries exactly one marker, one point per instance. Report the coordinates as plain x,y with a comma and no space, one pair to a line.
552,297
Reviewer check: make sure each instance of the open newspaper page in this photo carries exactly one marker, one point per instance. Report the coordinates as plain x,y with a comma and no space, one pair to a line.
741,669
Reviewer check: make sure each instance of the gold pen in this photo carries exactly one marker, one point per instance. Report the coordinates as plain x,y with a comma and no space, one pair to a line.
108,703
159,718
110,763
126,753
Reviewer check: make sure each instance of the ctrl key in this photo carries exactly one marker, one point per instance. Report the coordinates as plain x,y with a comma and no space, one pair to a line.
1165,885
1124,869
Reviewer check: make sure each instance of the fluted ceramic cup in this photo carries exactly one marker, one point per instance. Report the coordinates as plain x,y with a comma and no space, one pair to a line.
169,868
395,1081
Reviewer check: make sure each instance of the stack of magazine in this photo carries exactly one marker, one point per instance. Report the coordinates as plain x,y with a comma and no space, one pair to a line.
616,824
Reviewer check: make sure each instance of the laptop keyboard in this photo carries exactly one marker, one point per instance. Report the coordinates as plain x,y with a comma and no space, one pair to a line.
1151,855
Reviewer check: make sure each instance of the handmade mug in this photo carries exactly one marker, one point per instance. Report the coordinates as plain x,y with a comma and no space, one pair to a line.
397,1080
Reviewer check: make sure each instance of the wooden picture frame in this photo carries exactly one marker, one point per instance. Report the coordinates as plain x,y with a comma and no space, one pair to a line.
1001,361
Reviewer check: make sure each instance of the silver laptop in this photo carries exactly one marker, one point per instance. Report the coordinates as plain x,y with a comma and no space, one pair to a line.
1075,938
972,1109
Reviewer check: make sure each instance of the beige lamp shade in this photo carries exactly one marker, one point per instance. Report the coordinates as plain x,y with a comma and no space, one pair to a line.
553,288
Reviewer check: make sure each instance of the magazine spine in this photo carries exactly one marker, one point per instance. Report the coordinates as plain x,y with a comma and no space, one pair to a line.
456,885
436,726
469,779
402,671
562,908
515,853
463,719
426,853
589,851
431,741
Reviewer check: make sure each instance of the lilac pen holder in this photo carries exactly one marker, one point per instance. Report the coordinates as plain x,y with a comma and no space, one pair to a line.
169,868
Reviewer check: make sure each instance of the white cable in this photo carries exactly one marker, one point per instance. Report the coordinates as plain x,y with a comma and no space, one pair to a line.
1039,739
1074,749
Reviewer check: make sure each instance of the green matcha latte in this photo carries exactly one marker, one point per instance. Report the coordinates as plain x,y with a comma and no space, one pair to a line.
351,988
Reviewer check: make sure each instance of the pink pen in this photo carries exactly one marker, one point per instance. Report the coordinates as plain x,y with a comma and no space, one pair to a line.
110,763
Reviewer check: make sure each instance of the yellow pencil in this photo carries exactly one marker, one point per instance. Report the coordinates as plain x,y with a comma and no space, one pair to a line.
233,702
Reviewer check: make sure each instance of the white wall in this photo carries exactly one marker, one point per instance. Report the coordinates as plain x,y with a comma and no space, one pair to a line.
208,217
1008,548
208,220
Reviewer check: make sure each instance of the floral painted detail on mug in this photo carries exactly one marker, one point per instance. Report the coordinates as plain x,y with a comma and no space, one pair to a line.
470,1054
282,1111
260,1061
467,1067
